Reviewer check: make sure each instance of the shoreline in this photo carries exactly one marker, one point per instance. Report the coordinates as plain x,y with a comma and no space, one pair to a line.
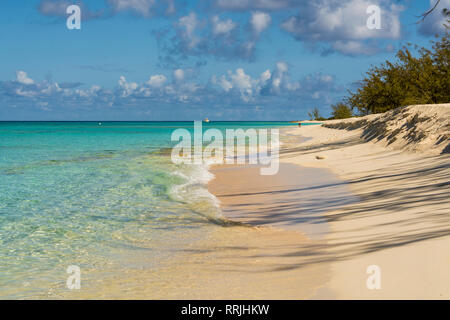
289,200
400,222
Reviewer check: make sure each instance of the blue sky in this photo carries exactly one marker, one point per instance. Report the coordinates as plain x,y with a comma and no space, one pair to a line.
187,60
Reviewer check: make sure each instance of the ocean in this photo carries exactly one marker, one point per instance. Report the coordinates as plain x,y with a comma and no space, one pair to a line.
105,197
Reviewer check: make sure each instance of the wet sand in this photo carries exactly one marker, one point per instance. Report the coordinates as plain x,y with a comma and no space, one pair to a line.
294,199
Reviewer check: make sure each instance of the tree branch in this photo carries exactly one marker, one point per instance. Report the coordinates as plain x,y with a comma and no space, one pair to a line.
426,14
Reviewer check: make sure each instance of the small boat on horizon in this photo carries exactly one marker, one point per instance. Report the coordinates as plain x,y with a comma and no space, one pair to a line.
206,120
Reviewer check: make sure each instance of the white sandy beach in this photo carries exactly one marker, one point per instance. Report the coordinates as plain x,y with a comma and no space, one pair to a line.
400,221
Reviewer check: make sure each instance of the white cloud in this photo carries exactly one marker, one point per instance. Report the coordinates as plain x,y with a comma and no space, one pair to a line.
224,83
266,75
189,24
260,21
222,26
51,88
57,8
268,83
178,74
354,48
156,81
253,4
282,67
88,93
25,93
239,81
278,76
236,88
224,38
22,77
343,24
142,7
95,88
48,7
127,87
327,78
242,82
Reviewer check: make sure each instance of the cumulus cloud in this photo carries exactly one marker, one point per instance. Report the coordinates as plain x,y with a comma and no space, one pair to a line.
178,74
156,80
434,22
235,89
222,27
53,7
274,83
254,4
331,25
158,88
354,48
343,20
242,82
260,21
192,36
143,8
127,88
325,25
266,75
279,81
43,92
57,8
343,24
187,26
22,77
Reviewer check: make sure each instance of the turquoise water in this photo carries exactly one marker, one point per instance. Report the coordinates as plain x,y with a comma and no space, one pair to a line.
106,198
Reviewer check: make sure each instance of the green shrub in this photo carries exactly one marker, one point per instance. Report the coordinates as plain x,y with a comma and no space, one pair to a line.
315,115
410,80
341,111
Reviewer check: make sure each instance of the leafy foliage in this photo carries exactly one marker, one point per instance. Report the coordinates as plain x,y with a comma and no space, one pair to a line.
315,115
341,111
410,80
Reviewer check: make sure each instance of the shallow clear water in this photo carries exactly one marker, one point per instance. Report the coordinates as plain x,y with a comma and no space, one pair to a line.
106,198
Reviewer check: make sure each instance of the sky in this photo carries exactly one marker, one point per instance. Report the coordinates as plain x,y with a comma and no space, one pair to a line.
155,60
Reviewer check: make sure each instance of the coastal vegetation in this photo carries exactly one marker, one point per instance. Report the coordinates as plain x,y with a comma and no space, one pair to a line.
341,111
422,79
417,76
315,115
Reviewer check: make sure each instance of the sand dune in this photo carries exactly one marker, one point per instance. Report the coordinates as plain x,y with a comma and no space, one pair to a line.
422,128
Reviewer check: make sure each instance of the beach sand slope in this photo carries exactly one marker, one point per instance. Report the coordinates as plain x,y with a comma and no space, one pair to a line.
396,168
